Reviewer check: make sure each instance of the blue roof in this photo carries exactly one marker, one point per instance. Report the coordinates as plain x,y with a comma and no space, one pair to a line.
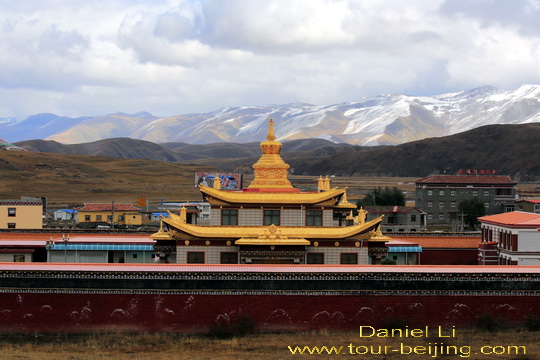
398,249
68,210
136,247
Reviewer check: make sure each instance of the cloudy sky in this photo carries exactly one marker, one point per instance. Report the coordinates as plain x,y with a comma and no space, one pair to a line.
168,57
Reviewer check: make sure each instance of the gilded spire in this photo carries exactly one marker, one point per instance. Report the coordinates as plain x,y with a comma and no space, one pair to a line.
271,136
270,171
217,182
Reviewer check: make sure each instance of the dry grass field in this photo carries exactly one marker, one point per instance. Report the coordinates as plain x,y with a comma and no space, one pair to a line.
74,179
503,345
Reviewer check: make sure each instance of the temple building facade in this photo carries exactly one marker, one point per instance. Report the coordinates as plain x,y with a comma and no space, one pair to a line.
271,222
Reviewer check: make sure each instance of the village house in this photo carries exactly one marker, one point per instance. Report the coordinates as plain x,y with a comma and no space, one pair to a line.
110,213
21,214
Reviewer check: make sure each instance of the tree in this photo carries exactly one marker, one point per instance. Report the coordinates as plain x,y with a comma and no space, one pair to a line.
383,197
472,209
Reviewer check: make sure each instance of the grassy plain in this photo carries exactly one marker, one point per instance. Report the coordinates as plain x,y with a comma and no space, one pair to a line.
502,344
68,180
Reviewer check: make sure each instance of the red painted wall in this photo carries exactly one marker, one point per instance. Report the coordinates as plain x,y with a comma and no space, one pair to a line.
40,312
449,257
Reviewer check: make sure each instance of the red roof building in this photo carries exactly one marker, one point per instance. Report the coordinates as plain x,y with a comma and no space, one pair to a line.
528,205
446,250
517,235
110,213
439,195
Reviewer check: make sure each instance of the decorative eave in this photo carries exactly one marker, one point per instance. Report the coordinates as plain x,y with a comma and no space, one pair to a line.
272,236
179,230
245,197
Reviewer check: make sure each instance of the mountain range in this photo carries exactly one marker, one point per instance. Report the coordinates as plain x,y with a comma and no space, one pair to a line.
379,120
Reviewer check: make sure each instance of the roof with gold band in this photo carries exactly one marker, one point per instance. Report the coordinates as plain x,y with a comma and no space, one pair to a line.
248,197
179,230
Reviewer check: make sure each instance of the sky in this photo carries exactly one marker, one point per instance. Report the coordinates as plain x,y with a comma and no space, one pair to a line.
171,57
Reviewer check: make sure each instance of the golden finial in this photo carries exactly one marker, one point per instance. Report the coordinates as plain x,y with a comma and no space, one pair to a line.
326,183
271,136
320,184
183,215
217,182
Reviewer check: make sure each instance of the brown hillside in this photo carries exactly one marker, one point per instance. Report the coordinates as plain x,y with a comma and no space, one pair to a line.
509,149
67,178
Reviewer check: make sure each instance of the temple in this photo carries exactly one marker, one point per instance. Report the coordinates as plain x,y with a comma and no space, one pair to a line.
271,222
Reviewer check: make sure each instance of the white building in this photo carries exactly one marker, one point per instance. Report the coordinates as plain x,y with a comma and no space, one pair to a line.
517,235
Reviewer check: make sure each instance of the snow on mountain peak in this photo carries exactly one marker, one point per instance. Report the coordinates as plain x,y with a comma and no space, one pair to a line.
381,119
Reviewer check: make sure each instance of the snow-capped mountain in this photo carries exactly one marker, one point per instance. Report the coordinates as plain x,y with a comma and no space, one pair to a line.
378,120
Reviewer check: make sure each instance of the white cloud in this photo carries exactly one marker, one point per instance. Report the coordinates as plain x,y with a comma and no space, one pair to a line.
170,57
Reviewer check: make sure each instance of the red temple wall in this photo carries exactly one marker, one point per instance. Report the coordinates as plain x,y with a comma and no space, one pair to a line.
46,312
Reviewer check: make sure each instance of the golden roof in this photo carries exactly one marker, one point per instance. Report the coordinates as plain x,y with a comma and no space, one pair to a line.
270,171
179,230
248,197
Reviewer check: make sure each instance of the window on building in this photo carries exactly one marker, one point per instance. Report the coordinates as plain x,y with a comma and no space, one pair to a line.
504,191
453,192
441,216
349,258
135,256
315,258
109,218
121,218
441,204
99,218
392,220
229,257
195,257
441,192
12,212
486,193
430,204
453,204
12,225
430,192
18,258
475,193
314,217
536,208
486,204
413,218
229,217
272,217
430,216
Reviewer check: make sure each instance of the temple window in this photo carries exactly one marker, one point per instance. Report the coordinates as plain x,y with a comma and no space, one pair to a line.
195,257
229,258
349,258
315,258
272,217
12,212
313,217
229,217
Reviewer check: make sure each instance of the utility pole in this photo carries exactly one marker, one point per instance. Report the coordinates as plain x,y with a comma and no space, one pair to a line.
112,217
462,223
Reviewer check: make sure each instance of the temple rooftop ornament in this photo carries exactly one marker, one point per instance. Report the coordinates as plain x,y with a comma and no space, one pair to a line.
270,170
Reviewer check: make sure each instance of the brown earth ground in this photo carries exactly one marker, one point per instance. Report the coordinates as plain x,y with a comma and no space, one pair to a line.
263,346
68,180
